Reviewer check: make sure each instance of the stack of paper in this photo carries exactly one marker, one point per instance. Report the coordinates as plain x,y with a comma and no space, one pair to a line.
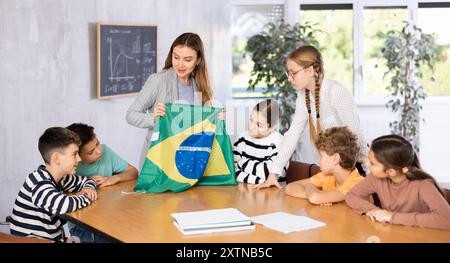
211,221
286,223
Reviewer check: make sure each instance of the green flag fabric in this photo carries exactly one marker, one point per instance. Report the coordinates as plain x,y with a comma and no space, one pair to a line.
189,147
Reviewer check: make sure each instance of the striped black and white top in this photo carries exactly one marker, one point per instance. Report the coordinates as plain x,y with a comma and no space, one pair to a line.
41,200
253,157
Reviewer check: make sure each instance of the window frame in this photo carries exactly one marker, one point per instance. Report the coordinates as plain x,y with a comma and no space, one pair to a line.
235,3
292,15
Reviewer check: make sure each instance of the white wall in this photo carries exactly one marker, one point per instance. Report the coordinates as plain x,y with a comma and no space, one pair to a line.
48,71
434,133
435,140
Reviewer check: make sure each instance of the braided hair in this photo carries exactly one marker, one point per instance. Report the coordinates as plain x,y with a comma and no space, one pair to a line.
309,56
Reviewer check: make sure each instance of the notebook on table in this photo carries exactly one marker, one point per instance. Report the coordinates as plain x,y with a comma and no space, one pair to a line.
212,221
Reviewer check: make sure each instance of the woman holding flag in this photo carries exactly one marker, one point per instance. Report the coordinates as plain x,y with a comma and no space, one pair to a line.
184,78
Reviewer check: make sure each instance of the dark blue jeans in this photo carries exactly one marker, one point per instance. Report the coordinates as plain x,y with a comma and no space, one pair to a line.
86,236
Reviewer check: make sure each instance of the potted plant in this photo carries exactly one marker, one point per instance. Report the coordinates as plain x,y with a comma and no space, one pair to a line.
269,50
405,52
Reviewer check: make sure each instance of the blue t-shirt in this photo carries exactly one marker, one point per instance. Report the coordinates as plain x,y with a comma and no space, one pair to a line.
110,164
186,93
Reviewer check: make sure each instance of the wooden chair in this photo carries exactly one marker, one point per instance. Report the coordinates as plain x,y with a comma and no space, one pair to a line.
298,171
446,188
447,193
7,238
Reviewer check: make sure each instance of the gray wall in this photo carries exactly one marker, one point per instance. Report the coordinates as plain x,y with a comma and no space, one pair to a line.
48,72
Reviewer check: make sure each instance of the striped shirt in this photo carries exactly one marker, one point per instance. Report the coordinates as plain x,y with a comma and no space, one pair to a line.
41,200
253,157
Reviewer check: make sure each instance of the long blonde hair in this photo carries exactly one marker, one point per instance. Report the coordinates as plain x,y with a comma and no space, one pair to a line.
307,56
200,72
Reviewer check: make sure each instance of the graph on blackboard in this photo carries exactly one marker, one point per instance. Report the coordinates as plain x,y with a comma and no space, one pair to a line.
127,58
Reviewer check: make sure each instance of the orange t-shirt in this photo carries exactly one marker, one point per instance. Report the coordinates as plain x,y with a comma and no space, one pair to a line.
328,182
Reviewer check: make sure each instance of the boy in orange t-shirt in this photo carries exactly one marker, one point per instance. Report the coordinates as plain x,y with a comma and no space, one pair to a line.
338,149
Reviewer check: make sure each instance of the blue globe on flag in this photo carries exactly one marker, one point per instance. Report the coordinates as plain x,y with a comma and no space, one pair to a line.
193,154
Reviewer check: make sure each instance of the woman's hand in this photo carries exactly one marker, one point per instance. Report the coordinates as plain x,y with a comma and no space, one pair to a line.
159,110
272,179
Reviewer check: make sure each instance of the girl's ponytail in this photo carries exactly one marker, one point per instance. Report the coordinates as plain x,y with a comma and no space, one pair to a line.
415,172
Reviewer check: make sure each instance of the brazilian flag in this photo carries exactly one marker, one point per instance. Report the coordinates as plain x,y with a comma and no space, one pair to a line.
189,146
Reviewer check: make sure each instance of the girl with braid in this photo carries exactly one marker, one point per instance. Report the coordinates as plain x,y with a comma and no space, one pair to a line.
321,104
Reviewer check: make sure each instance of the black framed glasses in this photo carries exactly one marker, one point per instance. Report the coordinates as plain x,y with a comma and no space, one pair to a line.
293,73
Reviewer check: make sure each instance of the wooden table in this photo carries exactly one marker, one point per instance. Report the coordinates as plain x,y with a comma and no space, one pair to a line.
133,217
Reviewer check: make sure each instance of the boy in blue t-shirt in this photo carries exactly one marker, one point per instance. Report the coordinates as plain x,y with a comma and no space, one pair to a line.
100,163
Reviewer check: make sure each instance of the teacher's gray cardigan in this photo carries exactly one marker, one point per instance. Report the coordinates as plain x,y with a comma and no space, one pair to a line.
159,87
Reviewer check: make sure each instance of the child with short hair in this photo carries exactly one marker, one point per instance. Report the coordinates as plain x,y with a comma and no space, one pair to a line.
41,199
338,149
255,149
100,163
409,196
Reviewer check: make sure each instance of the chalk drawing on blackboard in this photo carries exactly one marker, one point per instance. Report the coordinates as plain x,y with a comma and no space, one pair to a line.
137,45
118,64
126,58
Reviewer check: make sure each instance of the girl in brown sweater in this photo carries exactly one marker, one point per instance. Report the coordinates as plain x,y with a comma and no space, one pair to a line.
409,196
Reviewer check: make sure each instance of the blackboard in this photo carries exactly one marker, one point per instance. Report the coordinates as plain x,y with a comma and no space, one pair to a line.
126,56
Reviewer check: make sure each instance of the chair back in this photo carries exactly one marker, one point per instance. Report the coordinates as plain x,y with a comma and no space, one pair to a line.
299,170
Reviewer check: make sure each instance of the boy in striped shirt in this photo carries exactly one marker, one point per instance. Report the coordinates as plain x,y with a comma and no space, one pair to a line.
41,199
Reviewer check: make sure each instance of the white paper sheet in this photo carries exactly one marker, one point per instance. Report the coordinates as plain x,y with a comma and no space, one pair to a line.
286,223
277,216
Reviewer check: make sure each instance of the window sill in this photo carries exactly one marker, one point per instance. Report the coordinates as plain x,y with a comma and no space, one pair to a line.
378,101
374,102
